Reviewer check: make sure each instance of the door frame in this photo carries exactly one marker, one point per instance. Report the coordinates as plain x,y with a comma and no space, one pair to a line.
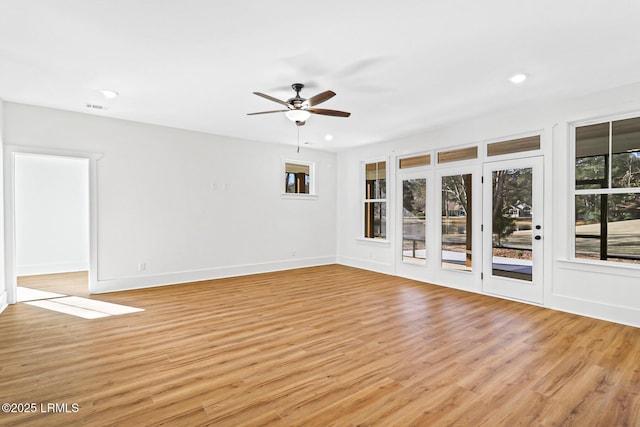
403,268
513,288
10,152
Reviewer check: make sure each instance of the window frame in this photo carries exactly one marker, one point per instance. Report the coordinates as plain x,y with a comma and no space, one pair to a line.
476,247
313,179
609,190
418,173
364,200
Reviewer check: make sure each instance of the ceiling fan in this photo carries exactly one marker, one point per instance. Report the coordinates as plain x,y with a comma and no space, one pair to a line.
300,109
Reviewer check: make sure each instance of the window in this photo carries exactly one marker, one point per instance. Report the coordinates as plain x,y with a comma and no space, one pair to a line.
298,178
457,155
519,145
414,206
415,161
607,191
456,222
375,200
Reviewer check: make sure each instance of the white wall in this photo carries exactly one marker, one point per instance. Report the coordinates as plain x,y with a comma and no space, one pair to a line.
607,292
187,205
3,283
51,214
161,201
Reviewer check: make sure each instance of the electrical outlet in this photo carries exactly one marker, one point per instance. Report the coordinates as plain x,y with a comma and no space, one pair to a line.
142,266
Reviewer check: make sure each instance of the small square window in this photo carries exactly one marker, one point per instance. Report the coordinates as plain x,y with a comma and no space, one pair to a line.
299,179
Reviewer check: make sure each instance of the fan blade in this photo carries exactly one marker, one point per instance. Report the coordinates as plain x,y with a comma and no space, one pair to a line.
321,97
267,112
329,112
271,98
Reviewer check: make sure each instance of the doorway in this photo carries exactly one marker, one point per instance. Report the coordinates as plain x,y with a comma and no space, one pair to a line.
51,220
513,228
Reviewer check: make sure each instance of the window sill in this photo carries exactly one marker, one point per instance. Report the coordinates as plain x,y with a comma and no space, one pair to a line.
293,196
374,242
602,267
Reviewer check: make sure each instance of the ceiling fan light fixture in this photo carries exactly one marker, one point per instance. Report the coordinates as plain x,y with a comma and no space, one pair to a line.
298,108
298,115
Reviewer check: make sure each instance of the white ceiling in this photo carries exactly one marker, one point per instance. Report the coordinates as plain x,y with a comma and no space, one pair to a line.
400,67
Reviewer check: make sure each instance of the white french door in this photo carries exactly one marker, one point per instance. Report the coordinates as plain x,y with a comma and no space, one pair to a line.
512,228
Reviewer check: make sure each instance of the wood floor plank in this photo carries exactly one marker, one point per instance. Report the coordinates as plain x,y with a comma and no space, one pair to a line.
323,346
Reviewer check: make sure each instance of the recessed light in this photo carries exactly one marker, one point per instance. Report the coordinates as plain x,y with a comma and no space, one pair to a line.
109,94
518,78
328,137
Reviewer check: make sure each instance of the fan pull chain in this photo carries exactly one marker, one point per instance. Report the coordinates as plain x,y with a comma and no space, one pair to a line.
298,139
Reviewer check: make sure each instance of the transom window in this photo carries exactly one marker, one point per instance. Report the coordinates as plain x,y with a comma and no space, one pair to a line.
607,191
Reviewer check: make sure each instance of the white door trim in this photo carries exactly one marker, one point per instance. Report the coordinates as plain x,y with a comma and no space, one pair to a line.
10,151
514,288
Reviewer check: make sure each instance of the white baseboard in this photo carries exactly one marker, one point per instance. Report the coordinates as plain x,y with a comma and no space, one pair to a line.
366,264
611,313
38,269
150,281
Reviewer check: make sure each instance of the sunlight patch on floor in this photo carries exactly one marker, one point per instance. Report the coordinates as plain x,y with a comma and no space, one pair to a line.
75,306
96,305
28,294
51,304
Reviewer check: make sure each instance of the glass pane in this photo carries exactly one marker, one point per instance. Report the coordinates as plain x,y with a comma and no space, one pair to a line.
376,182
296,178
514,146
416,161
592,152
625,149
608,227
623,229
588,230
414,204
375,220
456,222
459,154
511,223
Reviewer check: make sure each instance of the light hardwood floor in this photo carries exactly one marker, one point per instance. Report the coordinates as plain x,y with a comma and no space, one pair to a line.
75,283
320,346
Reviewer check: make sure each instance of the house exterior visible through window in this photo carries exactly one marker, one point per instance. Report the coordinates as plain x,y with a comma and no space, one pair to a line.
375,200
607,191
